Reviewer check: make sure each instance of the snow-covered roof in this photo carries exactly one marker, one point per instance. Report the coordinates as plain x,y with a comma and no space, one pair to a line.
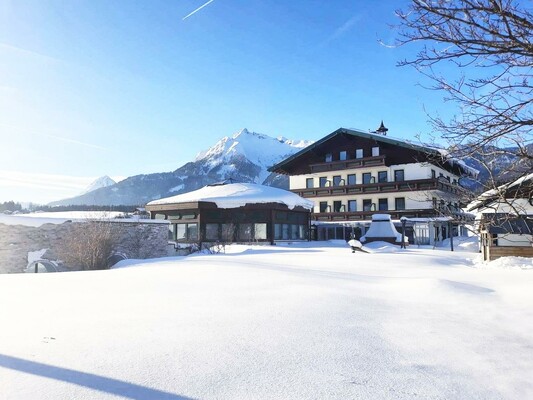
494,194
386,139
382,227
235,195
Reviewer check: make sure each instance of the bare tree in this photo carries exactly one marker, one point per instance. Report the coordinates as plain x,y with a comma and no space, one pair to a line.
489,45
88,245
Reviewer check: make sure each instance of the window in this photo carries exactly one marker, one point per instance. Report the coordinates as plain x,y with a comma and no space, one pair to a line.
399,203
309,183
352,205
359,153
337,206
433,174
398,175
192,231
337,180
367,205
181,231
383,204
260,231
342,155
211,232
277,231
322,181
172,232
434,202
382,176
187,231
375,151
295,232
285,231
323,206
351,179
245,232
367,177
329,157
227,232
160,216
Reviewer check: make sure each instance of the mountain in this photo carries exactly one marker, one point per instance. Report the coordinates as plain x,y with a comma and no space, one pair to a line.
103,181
245,157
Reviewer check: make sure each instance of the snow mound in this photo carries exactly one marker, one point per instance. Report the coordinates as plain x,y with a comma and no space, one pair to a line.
381,247
382,227
468,244
524,263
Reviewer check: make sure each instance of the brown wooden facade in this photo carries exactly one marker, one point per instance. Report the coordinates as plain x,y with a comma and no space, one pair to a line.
204,223
392,152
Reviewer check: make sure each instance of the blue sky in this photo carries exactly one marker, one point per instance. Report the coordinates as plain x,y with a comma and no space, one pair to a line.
119,88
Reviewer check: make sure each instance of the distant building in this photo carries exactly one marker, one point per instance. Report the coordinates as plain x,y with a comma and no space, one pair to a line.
505,219
234,212
350,175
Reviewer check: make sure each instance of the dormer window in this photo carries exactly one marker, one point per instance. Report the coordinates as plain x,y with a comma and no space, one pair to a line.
375,151
329,157
342,155
359,153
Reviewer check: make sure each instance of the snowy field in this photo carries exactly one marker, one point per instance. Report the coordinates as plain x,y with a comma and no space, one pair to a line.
310,321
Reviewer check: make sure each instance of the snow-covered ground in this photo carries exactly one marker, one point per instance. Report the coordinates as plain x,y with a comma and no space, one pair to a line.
307,321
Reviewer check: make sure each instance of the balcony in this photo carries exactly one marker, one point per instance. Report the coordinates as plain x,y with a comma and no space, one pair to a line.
382,187
367,215
366,162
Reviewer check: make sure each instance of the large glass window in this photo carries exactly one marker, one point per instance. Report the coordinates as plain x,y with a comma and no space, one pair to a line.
285,232
342,155
323,181
352,205
367,177
359,153
382,176
277,231
181,231
172,232
187,232
211,232
227,232
309,183
295,232
337,180
383,204
192,231
399,203
245,232
260,231
398,175
367,205
375,151
351,179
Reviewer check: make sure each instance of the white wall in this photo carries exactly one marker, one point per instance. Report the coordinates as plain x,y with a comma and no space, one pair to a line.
515,240
412,171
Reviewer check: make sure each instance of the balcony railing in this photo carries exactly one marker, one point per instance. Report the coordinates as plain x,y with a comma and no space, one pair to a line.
382,187
366,162
367,215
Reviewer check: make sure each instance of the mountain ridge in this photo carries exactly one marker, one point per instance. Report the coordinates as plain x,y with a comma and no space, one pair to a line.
244,156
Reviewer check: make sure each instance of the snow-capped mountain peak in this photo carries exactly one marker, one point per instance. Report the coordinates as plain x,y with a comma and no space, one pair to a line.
244,156
103,181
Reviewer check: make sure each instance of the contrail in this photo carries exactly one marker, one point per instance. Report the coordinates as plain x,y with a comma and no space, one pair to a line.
198,9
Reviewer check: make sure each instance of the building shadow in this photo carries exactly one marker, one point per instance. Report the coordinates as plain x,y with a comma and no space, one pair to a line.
101,383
